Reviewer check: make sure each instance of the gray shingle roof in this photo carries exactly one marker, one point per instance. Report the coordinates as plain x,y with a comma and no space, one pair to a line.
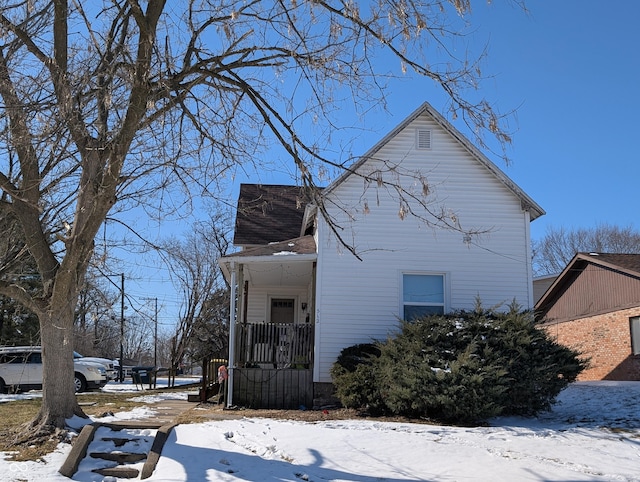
268,213
627,262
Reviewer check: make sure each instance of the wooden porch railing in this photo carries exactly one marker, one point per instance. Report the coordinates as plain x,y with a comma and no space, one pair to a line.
274,345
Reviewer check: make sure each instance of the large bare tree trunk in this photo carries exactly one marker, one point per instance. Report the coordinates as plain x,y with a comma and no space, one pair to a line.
59,402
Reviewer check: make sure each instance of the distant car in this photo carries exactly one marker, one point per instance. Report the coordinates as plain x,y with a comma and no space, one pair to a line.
112,366
21,370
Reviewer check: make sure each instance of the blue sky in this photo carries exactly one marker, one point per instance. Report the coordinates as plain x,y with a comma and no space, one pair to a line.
571,69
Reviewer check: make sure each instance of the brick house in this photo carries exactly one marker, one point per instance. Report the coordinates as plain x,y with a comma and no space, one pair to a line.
594,307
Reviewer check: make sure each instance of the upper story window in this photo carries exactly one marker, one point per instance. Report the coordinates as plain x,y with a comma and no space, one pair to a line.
422,295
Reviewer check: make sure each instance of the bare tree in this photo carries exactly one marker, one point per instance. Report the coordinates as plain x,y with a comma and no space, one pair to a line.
552,253
138,340
96,332
197,276
163,347
117,104
18,325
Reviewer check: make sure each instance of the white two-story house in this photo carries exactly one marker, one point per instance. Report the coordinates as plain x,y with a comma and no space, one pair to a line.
422,223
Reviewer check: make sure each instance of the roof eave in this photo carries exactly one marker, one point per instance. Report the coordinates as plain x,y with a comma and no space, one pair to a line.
225,262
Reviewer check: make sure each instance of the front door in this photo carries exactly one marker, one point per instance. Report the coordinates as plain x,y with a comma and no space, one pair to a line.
282,310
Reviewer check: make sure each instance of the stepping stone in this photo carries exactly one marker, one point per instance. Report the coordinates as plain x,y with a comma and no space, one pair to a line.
119,472
118,441
120,457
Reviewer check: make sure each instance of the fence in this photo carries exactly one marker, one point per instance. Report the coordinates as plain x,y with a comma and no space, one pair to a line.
274,345
275,362
273,388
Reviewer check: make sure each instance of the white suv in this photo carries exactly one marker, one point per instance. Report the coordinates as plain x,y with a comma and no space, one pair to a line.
112,366
21,370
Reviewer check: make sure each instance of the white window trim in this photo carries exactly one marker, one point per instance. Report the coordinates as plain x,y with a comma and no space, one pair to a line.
445,282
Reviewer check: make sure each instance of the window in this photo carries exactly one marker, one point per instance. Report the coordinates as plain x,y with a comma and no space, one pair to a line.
422,294
634,325
35,358
17,357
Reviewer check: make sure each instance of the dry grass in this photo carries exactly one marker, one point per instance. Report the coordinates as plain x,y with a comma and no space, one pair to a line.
16,415
205,412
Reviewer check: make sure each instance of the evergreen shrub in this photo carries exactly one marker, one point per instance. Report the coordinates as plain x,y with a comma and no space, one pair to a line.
459,368
355,370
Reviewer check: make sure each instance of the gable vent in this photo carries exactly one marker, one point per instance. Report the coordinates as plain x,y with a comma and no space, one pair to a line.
423,139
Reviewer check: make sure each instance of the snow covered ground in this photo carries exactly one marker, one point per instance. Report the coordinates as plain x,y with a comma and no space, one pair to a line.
593,433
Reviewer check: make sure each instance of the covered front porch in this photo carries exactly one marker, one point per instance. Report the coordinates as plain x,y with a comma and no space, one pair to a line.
272,325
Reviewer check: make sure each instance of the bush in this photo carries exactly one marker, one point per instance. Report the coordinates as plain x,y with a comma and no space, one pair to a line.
460,368
356,372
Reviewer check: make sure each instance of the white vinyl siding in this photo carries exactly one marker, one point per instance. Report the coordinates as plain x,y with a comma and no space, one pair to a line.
358,300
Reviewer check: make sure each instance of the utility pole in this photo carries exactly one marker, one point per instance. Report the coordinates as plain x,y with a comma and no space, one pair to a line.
121,373
155,332
120,370
155,338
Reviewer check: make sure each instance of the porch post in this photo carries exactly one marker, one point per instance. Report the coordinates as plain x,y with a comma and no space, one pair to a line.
232,334
241,311
312,305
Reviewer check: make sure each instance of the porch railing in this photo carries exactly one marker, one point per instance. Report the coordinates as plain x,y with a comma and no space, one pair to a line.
274,345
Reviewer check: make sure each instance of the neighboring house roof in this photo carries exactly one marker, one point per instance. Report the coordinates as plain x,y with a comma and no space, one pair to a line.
526,202
268,213
628,263
592,283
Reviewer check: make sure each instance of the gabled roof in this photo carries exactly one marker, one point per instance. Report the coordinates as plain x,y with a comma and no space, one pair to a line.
625,264
268,213
526,202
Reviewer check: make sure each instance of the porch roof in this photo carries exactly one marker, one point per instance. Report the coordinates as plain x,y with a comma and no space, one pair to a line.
290,262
